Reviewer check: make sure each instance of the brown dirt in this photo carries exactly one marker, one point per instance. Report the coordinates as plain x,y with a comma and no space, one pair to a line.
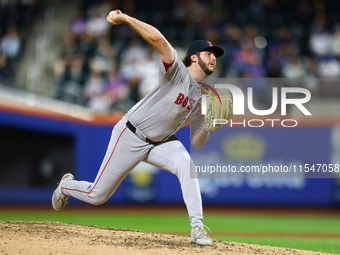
34,238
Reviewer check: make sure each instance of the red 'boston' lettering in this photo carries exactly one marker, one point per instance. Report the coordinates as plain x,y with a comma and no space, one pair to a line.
185,102
191,102
179,98
197,105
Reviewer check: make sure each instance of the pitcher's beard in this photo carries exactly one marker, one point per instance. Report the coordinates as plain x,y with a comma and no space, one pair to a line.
204,67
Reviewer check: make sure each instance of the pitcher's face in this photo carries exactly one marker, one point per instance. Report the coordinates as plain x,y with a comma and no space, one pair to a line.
207,61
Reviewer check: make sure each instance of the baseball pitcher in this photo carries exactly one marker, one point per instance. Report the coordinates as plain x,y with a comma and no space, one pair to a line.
146,132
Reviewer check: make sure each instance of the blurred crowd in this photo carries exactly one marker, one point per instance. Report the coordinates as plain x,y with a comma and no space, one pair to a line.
16,18
106,68
111,68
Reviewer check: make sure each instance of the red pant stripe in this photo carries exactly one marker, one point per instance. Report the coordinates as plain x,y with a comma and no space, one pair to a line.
89,192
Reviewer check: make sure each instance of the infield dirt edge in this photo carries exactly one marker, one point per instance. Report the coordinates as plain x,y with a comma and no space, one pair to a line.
48,237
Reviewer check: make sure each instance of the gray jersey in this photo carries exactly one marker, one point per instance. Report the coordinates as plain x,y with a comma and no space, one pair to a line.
162,112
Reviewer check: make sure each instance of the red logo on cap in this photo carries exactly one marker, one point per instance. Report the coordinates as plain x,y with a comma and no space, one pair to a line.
210,43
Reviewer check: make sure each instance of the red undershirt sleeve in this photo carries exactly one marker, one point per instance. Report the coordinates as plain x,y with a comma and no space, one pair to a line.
167,66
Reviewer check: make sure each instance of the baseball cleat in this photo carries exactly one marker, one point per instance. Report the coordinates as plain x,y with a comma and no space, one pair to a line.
200,236
59,200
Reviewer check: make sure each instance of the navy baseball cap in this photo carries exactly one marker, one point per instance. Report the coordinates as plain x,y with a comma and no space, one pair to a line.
202,45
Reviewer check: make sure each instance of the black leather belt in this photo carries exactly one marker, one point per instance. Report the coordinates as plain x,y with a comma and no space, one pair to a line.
131,127
133,130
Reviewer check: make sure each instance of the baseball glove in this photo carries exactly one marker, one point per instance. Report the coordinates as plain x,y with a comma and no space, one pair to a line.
218,114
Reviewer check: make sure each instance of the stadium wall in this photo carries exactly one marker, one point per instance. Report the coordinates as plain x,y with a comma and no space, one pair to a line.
37,149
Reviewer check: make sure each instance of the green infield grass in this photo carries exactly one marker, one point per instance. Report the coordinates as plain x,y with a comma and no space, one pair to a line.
329,245
306,232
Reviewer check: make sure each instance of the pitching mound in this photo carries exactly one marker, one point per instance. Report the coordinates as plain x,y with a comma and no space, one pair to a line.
61,238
